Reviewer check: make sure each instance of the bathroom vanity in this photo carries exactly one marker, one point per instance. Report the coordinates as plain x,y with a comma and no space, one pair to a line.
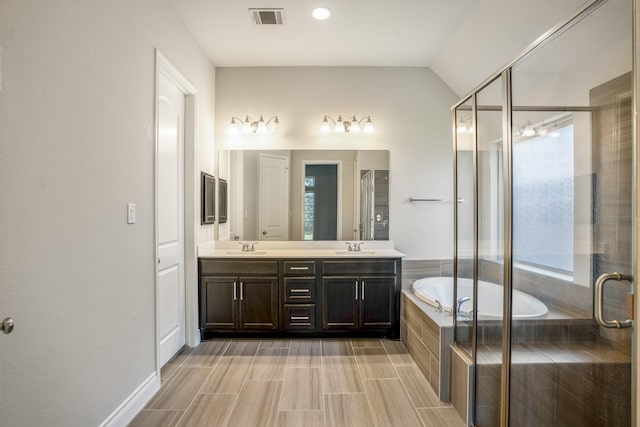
300,293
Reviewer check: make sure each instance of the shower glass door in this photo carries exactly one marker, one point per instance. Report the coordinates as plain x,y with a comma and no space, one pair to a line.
571,222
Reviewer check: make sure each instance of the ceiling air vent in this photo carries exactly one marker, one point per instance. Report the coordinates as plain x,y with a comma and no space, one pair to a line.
267,16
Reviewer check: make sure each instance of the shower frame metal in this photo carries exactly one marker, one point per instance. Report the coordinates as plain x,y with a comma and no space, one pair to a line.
507,131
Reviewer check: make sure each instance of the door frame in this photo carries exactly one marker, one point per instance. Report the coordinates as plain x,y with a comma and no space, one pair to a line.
192,336
338,163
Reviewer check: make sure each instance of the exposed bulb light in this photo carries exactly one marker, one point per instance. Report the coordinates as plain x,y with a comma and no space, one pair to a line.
339,127
325,127
246,126
463,127
276,125
528,130
233,127
368,126
262,127
354,126
321,13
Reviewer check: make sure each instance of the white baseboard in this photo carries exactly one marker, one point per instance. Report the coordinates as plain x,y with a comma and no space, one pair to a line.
134,403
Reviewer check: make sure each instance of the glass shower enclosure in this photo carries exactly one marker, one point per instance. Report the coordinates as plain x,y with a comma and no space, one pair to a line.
544,236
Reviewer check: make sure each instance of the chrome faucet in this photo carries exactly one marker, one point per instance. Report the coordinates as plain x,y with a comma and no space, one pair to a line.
247,247
350,248
356,246
461,301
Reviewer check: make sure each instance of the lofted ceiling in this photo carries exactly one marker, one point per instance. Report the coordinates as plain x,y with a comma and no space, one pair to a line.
463,41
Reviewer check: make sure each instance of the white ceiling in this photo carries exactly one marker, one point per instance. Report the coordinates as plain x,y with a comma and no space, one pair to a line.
462,40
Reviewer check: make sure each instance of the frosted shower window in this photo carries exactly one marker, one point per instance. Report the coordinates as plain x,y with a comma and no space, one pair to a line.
543,196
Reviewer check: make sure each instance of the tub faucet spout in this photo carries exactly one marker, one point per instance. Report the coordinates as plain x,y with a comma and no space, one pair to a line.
461,301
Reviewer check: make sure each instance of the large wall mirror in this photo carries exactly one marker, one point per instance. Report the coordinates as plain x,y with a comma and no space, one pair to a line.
307,194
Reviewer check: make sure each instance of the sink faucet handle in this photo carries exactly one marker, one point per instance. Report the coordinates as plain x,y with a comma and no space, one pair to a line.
349,244
356,245
253,244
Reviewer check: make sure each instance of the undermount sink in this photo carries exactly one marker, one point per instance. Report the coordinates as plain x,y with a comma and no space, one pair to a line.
249,253
343,252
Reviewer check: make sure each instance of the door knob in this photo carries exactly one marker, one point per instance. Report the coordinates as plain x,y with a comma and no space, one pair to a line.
7,325
264,232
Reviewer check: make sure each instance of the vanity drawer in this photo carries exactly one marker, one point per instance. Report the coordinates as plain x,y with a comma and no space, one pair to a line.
300,316
369,266
299,289
238,267
299,268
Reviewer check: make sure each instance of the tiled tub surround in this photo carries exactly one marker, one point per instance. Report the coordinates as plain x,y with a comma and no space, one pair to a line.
428,335
555,359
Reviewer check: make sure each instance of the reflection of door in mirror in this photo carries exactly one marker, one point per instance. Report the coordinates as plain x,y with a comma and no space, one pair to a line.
374,205
320,202
274,197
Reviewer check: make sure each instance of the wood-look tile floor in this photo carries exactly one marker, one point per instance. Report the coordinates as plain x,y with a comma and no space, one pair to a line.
299,383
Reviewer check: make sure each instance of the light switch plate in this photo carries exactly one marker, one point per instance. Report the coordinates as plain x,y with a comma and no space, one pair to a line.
131,213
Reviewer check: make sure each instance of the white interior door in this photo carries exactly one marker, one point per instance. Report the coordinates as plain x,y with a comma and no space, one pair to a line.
170,213
274,197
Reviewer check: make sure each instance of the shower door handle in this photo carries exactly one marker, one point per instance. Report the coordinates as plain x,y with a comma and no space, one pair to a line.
599,303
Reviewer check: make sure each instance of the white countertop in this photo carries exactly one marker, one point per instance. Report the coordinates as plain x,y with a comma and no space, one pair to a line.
300,253
297,249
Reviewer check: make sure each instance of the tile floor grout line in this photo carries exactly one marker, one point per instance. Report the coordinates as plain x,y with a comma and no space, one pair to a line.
204,382
413,404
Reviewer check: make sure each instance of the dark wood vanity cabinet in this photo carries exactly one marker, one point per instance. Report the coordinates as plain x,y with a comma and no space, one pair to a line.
238,295
321,297
360,295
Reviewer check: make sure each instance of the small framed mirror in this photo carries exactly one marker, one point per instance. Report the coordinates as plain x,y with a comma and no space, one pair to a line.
208,199
222,201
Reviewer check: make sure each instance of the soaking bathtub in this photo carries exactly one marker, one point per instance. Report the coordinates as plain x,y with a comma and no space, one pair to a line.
438,291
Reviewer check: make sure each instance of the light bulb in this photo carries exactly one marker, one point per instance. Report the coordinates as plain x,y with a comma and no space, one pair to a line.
262,127
339,128
233,128
368,126
246,126
325,127
275,125
354,127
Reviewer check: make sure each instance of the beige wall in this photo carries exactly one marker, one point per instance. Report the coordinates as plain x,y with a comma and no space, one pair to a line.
410,108
77,132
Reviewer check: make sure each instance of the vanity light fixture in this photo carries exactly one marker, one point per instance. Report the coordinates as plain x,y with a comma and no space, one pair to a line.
248,125
350,126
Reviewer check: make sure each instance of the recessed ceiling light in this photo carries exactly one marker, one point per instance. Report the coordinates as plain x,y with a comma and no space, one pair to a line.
321,13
